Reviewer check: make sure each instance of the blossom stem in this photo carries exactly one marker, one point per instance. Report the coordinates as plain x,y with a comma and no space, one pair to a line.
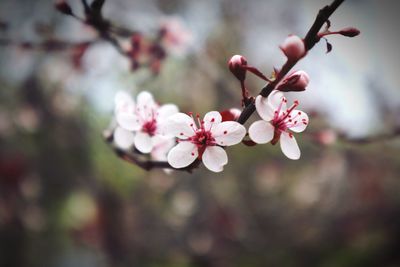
145,164
309,41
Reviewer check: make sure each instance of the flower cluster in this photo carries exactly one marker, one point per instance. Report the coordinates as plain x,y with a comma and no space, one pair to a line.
182,140
169,135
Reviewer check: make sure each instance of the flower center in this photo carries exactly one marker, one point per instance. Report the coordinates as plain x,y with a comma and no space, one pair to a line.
203,138
150,127
286,119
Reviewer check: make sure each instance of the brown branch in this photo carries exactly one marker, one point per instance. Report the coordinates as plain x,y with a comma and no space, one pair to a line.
144,164
309,41
47,45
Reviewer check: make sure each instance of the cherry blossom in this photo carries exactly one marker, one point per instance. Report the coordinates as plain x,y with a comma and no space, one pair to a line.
176,36
276,122
203,141
141,123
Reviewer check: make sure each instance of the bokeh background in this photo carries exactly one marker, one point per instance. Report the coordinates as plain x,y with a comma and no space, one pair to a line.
67,200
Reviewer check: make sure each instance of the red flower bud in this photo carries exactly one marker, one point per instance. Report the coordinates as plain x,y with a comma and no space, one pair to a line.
349,32
293,47
231,114
63,7
294,82
237,66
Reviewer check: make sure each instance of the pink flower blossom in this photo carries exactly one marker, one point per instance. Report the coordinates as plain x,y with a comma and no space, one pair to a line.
176,36
276,122
293,47
140,123
204,140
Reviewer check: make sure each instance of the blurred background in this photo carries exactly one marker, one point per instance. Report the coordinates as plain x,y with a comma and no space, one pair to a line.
67,200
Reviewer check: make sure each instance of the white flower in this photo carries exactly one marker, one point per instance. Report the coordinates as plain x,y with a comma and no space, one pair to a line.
203,141
276,123
140,124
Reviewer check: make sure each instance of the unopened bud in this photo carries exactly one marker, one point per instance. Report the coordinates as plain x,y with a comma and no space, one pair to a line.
293,47
231,114
294,82
236,66
63,7
349,32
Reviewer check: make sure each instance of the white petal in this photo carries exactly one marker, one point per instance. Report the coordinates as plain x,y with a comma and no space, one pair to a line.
179,125
302,121
211,119
165,111
123,138
161,147
143,142
182,155
128,121
122,97
123,103
275,100
264,109
214,158
289,146
261,132
228,133
144,98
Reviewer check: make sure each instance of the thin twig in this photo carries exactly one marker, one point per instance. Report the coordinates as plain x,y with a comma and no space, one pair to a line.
309,41
138,160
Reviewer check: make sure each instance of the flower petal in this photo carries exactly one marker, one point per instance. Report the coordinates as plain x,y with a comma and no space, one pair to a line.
122,97
261,132
165,111
302,121
228,133
123,138
264,109
161,146
211,119
214,158
144,98
289,146
275,100
123,103
182,155
128,121
179,125
143,142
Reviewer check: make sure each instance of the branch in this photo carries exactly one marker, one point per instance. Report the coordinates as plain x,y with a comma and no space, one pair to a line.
144,164
309,41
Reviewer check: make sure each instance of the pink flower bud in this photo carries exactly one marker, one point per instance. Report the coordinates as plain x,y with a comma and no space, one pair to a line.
294,82
236,66
63,7
349,32
231,114
293,48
